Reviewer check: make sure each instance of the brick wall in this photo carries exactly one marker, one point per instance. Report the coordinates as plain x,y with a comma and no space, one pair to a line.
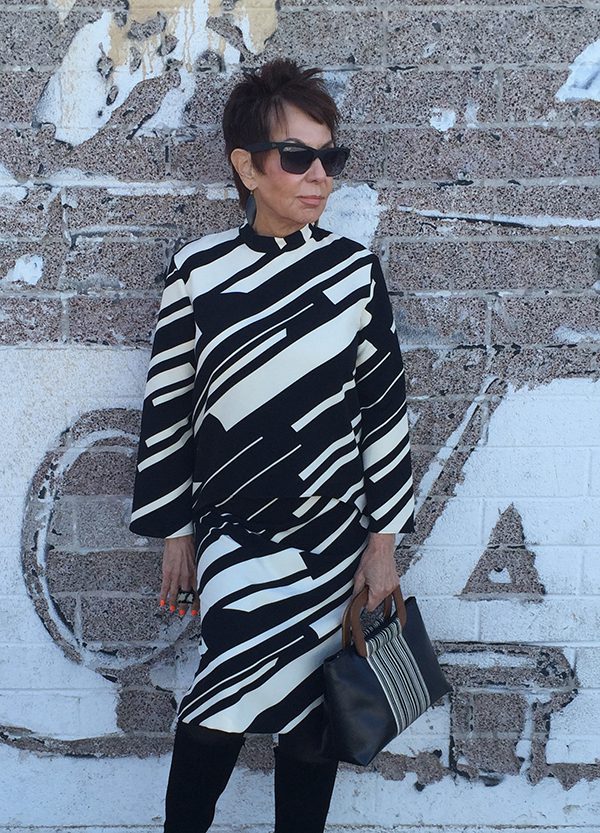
474,173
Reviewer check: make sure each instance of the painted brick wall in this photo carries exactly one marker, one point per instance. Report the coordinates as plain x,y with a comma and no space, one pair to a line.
474,174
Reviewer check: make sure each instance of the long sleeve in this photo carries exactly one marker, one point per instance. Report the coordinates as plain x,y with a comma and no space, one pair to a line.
384,441
162,501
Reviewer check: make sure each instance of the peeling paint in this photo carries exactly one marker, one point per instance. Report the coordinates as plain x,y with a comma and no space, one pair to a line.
567,335
531,220
442,120
257,21
353,210
583,82
106,60
63,7
27,269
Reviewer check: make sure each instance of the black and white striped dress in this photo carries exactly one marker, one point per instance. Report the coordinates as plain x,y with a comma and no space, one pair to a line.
274,427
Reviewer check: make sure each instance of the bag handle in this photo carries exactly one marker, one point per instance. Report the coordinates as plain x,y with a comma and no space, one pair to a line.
352,626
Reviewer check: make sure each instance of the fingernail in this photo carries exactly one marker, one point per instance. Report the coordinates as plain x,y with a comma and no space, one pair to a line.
194,612
181,611
162,602
172,609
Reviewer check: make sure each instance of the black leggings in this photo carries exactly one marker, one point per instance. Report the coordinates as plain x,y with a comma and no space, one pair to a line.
203,760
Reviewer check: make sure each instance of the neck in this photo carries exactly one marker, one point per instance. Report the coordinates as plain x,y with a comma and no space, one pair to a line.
273,227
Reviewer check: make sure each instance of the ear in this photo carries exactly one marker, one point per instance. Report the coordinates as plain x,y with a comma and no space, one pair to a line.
242,162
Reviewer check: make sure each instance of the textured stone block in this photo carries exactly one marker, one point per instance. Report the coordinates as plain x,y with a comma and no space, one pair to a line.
20,93
101,263
488,35
434,420
488,755
440,321
102,524
30,213
546,320
174,216
145,711
120,620
111,419
61,531
496,713
531,365
367,157
529,94
210,95
329,38
498,265
200,158
421,211
122,571
31,265
101,473
441,372
52,37
474,154
111,320
546,203
413,97
26,319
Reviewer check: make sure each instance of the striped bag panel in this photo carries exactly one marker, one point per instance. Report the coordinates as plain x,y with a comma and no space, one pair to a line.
398,674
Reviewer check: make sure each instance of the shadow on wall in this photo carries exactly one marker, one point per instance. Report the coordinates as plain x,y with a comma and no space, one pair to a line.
94,584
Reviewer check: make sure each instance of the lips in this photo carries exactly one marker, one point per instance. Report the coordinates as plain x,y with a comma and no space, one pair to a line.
311,200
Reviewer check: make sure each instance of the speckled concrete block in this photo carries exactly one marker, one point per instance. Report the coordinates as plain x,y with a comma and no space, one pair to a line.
434,420
488,35
102,523
199,158
31,266
367,154
446,321
441,372
17,47
26,320
495,265
101,473
112,320
529,94
124,571
546,320
424,153
101,263
146,711
354,38
21,90
185,215
126,619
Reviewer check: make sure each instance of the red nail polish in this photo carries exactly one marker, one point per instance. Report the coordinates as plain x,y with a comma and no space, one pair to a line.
162,602
172,609
194,612
181,611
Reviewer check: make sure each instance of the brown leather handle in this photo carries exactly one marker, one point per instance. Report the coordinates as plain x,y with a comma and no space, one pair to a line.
352,626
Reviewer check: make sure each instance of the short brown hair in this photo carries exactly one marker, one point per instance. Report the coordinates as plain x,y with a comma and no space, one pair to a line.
257,101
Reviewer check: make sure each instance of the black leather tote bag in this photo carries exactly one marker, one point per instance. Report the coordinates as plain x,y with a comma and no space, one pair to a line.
380,681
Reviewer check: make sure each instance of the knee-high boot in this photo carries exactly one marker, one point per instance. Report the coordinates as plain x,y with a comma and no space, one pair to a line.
303,790
202,763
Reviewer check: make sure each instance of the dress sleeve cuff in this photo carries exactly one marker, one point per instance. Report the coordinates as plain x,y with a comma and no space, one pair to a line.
188,529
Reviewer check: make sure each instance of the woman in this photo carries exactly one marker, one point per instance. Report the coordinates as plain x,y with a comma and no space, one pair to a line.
274,452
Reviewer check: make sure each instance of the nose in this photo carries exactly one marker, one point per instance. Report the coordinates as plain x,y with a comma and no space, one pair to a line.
316,172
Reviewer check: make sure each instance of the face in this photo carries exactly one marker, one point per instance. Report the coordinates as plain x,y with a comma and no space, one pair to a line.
285,202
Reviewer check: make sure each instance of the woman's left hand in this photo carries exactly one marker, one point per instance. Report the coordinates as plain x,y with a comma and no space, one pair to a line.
377,569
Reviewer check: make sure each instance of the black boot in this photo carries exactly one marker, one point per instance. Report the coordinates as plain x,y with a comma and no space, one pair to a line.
302,793
202,763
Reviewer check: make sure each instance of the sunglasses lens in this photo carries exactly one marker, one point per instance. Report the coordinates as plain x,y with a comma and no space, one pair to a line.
296,160
334,161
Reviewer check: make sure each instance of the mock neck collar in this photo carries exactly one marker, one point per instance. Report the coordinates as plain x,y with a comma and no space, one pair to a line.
265,243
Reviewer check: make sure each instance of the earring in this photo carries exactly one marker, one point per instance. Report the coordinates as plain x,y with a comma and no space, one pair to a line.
250,208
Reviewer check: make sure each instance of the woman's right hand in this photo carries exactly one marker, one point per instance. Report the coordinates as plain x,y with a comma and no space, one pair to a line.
179,573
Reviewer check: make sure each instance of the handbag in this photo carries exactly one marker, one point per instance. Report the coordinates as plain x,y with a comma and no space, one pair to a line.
380,681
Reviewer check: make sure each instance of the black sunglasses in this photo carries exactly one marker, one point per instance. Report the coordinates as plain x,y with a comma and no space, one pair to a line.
297,159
